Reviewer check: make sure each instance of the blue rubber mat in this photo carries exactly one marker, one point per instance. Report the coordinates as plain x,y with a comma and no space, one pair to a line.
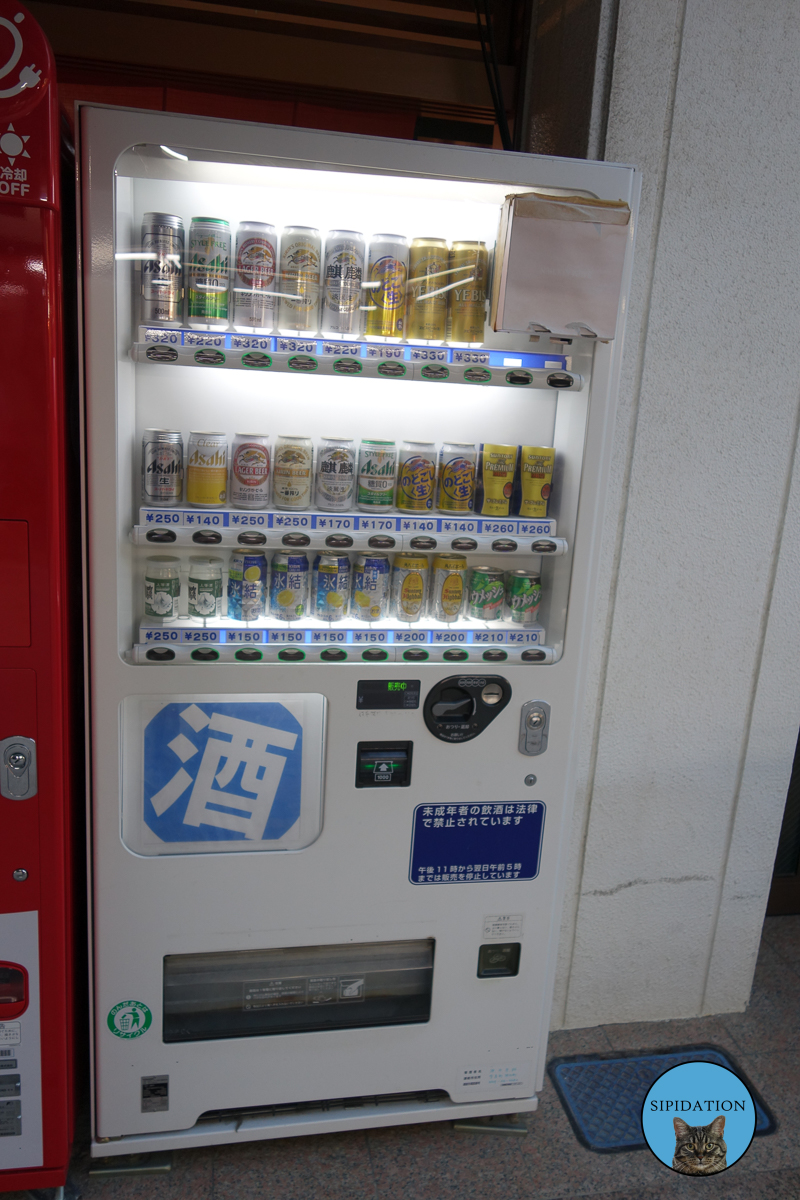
603,1095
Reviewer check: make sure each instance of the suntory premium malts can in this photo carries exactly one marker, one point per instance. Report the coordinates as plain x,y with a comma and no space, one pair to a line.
341,283
486,594
299,280
208,273
335,483
291,472
467,299
416,476
162,466
426,297
409,586
250,471
254,277
288,588
162,269
536,478
371,587
330,587
205,588
247,585
448,587
162,587
377,472
385,286
456,490
523,594
498,466
207,469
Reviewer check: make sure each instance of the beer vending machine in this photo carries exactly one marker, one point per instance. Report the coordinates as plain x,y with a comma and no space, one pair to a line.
348,408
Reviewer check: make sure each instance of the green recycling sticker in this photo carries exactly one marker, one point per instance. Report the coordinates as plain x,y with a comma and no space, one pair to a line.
129,1019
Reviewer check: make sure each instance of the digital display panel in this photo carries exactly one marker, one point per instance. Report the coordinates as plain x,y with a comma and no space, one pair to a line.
387,693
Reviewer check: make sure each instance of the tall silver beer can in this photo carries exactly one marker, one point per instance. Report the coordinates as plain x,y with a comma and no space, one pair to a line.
162,269
250,471
162,467
254,284
341,285
299,280
335,488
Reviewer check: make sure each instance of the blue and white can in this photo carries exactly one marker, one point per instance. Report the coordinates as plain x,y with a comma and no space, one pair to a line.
288,590
247,585
371,593
330,587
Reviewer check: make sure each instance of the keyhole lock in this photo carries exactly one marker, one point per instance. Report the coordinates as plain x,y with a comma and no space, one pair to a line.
17,760
18,768
536,719
534,727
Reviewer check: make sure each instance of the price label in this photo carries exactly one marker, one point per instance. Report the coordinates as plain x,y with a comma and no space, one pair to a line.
206,519
201,635
535,528
447,526
205,339
377,523
341,349
285,635
433,354
324,522
409,525
530,637
329,635
384,351
164,337
293,346
471,358
160,635
449,635
286,521
406,636
246,636
370,637
260,520
160,516
250,343
486,638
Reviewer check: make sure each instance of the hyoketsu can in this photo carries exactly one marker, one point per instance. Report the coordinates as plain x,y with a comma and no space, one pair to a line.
335,485
330,587
371,587
247,585
250,470
162,269
288,589
207,469
486,593
448,586
457,465
416,476
205,588
255,268
409,586
208,273
162,466
523,594
341,284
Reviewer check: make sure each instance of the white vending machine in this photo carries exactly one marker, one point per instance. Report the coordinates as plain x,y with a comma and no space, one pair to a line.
348,405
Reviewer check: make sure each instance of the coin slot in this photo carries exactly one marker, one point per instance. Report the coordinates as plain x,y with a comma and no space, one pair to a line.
333,655
205,655
296,539
374,655
207,537
161,536
248,655
160,654
291,655
495,655
533,656
252,539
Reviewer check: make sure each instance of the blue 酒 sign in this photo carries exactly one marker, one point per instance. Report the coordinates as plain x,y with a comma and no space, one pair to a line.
476,843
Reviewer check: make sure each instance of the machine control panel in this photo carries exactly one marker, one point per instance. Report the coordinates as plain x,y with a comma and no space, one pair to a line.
387,693
459,708
383,764
534,727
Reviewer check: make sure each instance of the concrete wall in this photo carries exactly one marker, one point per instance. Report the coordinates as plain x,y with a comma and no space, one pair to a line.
694,695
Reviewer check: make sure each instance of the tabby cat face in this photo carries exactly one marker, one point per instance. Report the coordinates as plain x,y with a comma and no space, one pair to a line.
699,1149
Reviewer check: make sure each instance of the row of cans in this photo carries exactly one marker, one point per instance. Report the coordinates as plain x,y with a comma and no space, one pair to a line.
368,589
426,290
493,479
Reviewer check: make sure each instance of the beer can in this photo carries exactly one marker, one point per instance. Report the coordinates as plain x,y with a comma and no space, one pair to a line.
341,287
486,594
254,286
456,491
385,286
416,476
205,588
523,594
498,466
536,477
250,470
426,298
288,588
291,472
247,585
377,473
208,273
330,587
335,482
162,269
448,587
207,470
467,298
371,591
409,587
299,280
162,467
162,587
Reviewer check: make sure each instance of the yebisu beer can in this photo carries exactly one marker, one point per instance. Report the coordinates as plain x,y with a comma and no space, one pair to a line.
247,584
426,299
467,298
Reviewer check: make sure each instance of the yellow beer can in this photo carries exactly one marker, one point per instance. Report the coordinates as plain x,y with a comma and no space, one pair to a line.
468,271
207,470
498,468
536,470
426,297
409,586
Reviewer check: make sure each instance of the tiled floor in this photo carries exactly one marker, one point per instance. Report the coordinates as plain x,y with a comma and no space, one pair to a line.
431,1162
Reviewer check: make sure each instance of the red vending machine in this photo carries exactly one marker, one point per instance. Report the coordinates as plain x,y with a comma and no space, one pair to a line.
36,940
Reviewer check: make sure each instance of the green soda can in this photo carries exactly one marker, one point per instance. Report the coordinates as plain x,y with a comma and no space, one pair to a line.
208,279
486,594
523,593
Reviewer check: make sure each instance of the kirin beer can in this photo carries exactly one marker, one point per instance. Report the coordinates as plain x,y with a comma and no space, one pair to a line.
336,474
162,269
523,594
467,298
207,470
385,286
416,476
256,265
250,471
457,461
288,589
486,594
448,587
330,587
291,472
299,280
371,592
162,467
247,585
426,298
205,588
162,587
341,286
208,273
377,473
409,586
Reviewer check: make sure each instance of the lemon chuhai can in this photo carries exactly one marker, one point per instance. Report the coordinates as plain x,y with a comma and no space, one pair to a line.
247,585
409,587
288,589
448,586
371,587
330,587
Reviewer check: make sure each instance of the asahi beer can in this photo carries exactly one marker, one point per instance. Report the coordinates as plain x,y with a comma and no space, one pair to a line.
208,273
426,298
467,298
250,471
523,594
371,587
385,287
498,468
448,587
162,587
288,589
205,588
335,483
457,464
291,472
254,287
486,594
299,280
207,470
377,473
162,467
416,476
247,585
409,587
341,285
536,478
330,587
162,269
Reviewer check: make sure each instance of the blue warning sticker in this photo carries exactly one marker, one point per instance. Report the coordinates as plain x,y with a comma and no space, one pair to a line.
476,843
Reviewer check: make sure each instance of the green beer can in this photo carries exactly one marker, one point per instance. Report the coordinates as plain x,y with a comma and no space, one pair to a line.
208,277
